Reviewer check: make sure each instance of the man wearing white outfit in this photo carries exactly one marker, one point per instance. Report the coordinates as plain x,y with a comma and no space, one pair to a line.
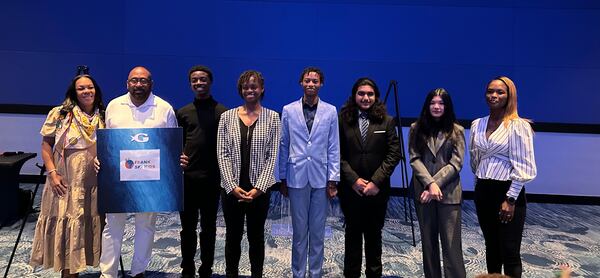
139,108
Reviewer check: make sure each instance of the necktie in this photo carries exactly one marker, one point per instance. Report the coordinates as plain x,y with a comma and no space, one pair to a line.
364,125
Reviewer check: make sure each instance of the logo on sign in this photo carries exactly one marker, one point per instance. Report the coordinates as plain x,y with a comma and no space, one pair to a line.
139,165
140,138
129,163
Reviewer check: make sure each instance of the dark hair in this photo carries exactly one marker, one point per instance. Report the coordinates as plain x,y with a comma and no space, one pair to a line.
245,77
201,68
71,97
315,70
426,126
375,113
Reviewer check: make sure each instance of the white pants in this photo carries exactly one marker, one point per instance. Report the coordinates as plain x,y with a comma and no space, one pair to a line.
112,238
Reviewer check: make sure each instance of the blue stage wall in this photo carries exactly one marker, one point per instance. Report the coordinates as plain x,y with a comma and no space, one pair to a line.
550,48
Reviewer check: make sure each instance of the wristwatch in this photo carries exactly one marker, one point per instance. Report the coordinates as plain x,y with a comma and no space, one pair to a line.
511,200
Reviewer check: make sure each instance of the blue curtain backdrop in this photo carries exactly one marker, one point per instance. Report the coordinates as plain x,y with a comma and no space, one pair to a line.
550,48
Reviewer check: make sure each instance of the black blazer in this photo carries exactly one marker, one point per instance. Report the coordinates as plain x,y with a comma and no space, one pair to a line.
373,160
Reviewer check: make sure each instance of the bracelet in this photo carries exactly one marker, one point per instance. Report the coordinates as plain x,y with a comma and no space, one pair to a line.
50,172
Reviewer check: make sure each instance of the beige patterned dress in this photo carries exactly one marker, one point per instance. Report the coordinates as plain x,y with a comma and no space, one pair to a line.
68,231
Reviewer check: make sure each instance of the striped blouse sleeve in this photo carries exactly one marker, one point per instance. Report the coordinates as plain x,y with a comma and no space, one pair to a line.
521,156
473,153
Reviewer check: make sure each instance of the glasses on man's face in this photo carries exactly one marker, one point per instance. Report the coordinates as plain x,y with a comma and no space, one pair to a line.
135,80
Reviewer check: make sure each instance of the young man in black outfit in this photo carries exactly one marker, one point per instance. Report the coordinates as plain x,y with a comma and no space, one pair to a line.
200,120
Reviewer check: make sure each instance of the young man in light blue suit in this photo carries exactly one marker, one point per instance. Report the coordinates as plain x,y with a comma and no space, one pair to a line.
309,168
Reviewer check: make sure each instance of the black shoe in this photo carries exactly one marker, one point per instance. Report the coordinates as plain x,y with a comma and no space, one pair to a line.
139,275
188,272
202,273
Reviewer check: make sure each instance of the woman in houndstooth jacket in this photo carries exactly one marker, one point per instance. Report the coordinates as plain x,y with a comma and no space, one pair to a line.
247,145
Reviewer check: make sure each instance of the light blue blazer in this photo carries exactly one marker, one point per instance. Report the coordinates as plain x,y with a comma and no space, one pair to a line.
309,158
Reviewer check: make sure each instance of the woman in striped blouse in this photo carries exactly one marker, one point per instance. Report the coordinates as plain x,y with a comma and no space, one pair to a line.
502,160
247,145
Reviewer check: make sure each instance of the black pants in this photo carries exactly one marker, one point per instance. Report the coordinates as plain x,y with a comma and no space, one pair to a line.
502,241
364,217
255,214
202,195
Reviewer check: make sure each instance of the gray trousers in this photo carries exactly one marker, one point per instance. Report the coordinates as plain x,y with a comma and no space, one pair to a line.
441,223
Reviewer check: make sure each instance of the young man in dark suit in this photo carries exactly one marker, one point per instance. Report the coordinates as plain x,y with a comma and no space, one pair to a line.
369,151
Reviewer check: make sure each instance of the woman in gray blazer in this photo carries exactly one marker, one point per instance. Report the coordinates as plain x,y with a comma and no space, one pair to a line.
436,148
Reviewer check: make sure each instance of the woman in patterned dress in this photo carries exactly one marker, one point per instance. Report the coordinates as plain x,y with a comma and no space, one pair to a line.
68,230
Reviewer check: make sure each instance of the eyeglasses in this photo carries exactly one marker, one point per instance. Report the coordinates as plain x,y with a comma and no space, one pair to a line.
135,80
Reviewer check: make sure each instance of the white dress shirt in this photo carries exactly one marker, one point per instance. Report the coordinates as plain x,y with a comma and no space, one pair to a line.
155,112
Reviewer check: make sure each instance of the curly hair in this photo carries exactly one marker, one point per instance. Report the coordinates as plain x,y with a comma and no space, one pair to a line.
315,70
245,77
376,112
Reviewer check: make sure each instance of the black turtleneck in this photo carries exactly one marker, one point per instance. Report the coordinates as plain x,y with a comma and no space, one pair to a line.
200,120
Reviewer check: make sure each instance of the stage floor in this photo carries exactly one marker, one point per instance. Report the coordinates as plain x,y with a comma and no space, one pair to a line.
553,234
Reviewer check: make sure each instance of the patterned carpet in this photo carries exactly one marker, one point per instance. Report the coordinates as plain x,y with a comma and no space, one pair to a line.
553,234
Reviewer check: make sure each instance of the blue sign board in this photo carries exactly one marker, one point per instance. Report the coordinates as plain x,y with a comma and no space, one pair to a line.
139,170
